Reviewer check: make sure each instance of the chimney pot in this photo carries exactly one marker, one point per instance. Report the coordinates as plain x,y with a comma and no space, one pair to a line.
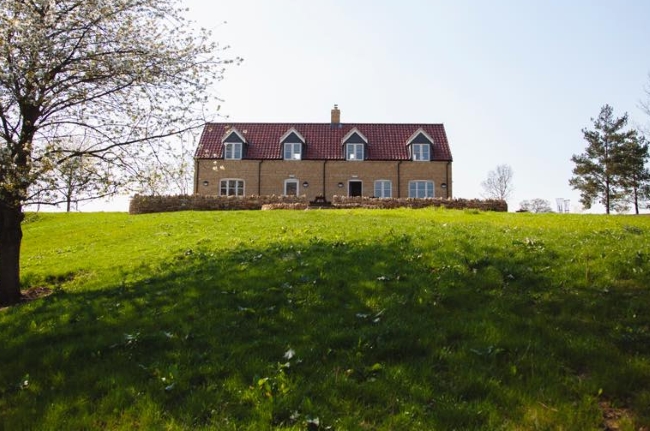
336,115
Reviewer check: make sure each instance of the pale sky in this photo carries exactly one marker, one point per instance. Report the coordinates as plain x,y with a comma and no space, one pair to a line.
513,81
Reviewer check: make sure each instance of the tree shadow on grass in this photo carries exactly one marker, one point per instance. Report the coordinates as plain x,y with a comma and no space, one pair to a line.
348,335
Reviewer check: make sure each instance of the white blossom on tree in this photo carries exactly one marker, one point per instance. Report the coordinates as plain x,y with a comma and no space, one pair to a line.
120,73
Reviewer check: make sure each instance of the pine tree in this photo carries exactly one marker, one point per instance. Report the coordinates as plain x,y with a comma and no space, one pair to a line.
597,172
634,176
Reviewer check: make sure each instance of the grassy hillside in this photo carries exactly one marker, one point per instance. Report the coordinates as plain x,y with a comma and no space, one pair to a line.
387,320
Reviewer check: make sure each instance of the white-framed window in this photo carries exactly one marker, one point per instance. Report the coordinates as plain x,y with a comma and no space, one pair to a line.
231,187
291,187
421,152
232,150
383,189
354,151
292,151
420,189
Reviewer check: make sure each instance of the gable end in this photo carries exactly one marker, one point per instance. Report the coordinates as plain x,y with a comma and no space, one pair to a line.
354,136
292,135
233,135
420,137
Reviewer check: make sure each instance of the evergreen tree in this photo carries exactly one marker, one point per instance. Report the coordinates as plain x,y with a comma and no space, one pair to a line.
634,176
597,171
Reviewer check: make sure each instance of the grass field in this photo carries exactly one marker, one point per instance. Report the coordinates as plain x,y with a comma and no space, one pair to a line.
330,319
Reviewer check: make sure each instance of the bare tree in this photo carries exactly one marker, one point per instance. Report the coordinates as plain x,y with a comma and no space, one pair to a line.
644,104
75,180
536,205
120,73
498,184
166,169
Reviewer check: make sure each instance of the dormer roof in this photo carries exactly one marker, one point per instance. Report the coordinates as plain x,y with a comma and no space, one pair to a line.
294,132
415,137
348,136
228,135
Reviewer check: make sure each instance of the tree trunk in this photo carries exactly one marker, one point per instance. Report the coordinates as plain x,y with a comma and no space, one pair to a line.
11,235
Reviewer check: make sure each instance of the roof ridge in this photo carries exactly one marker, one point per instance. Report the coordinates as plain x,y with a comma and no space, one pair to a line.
323,124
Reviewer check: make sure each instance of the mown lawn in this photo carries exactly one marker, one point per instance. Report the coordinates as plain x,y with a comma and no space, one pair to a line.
330,319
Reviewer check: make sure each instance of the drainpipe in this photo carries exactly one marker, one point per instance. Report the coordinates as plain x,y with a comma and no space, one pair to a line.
447,178
398,179
324,180
259,178
196,176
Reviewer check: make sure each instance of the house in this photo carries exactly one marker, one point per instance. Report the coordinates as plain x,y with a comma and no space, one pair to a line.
324,159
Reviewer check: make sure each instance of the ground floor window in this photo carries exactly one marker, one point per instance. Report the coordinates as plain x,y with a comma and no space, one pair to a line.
231,188
291,187
421,189
383,189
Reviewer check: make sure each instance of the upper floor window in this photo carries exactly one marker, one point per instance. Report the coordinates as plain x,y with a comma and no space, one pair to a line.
421,152
420,144
232,150
292,151
421,189
231,188
354,151
355,145
383,189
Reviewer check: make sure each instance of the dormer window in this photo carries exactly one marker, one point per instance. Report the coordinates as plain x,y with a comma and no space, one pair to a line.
421,152
354,151
232,150
292,144
355,145
233,145
420,144
292,150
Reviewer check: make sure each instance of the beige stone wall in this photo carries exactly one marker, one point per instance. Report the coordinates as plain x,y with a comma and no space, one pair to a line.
426,171
213,171
322,177
276,172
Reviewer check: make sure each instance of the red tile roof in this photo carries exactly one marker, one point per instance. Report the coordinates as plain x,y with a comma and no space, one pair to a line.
323,140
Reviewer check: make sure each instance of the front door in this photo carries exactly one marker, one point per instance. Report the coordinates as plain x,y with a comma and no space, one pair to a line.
355,188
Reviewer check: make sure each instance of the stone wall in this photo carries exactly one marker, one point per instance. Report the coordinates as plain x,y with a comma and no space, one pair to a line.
363,202
155,204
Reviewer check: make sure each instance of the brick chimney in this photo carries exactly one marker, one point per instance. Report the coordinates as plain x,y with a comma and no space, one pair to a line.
336,116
